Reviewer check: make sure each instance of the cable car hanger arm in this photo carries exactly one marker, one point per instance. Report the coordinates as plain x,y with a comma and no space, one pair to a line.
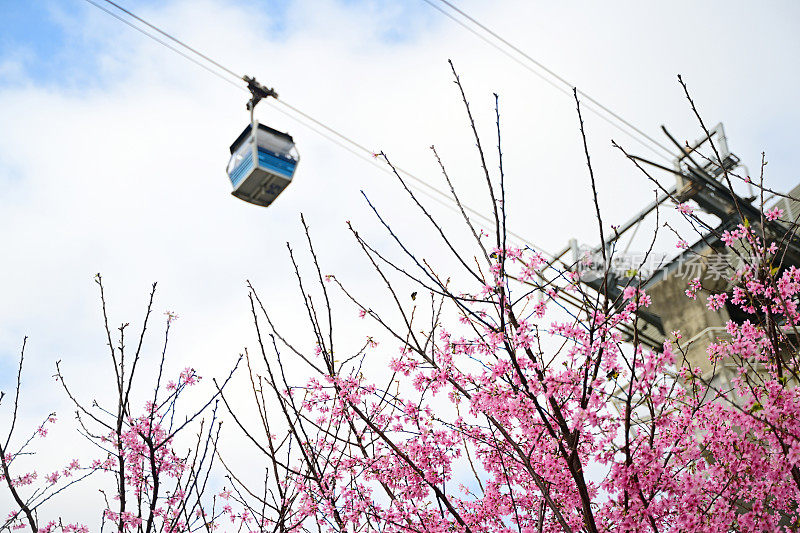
258,92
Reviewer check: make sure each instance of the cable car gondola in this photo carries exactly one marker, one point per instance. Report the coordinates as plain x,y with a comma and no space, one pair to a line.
263,160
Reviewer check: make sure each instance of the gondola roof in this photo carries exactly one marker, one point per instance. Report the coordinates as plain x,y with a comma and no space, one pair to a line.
246,133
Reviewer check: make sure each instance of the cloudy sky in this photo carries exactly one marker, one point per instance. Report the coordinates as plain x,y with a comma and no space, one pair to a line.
113,148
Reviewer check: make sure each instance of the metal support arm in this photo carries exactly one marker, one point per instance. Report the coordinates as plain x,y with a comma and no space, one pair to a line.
258,93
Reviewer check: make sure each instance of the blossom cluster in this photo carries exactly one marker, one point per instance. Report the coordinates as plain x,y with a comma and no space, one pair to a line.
493,435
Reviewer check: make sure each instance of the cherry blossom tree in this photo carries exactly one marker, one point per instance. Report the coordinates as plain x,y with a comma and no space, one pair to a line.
154,487
501,395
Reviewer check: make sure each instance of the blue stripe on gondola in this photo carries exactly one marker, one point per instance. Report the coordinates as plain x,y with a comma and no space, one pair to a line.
284,157
242,169
280,165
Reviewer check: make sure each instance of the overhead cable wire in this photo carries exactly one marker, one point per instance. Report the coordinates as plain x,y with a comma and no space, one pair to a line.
566,85
370,155
332,134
